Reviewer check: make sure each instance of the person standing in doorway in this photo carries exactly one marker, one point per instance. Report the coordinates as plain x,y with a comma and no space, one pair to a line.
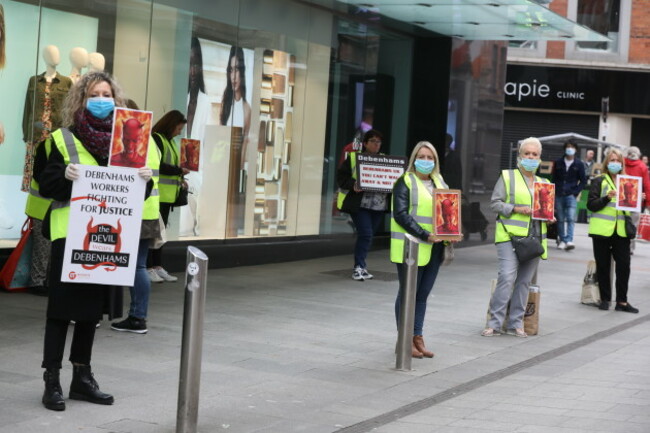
570,180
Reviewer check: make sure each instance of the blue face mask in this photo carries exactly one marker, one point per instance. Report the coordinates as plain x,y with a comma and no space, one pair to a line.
529,164
424,166
100,107
570,151
614,167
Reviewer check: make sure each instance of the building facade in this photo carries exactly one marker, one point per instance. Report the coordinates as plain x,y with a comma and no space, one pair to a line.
593,89
314,75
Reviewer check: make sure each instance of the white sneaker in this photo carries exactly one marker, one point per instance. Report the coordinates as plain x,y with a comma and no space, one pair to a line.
561,246
366,275
154,277
570,246
165,275
357,274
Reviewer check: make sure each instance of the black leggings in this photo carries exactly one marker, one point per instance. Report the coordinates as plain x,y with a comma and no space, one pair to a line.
81,348
155,256
604,249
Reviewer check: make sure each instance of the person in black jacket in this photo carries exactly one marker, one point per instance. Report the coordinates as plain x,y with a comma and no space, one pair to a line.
569,178
88,119
366,208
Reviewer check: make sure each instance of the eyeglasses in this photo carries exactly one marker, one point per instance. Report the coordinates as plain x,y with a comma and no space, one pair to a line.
374,140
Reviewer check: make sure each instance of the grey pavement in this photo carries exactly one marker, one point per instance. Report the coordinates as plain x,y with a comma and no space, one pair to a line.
301,347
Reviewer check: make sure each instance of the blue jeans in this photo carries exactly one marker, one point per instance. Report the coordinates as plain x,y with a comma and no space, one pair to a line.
566,213
367,222
426,277
142,284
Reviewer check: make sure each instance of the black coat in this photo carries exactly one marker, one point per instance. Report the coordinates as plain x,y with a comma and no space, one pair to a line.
345,181
70,301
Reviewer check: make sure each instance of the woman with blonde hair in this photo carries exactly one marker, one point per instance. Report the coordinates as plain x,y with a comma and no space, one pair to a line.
412,213
608,234
512,200
84,139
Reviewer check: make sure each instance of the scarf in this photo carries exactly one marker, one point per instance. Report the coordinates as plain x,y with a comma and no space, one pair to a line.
94,133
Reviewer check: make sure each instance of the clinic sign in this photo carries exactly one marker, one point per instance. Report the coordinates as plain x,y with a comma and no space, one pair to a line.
104,226
557,88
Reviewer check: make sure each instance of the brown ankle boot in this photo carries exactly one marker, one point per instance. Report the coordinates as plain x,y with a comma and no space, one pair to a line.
418,344
415,353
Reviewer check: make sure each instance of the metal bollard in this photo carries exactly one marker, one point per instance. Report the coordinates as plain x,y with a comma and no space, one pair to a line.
407,305
192,347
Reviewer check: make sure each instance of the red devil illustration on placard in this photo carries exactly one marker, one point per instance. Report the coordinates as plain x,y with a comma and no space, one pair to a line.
131,155
104,238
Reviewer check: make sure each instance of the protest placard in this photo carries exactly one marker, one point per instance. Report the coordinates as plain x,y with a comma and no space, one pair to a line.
130,138
447,224
543,201
378,173
104,226
190,154
629,190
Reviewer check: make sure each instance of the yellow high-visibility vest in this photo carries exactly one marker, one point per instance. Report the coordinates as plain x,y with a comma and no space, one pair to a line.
421,209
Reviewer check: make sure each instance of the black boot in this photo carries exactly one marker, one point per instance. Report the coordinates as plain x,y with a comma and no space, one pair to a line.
53,395
85,387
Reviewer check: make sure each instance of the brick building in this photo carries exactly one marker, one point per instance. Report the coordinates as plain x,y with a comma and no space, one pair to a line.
575,78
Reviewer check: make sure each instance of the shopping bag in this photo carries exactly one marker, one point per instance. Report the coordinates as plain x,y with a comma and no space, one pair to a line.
158,242
531,316
14,275
643,230
590,294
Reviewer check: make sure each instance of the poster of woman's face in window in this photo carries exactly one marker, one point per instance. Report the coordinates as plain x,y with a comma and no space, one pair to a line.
220,86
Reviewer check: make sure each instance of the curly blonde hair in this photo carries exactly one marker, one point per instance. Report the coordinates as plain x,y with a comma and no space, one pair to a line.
75,101
3,37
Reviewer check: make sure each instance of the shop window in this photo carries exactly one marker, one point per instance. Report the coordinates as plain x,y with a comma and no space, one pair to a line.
602,16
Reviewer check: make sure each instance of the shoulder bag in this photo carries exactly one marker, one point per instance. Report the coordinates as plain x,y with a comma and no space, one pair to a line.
525,247
630,228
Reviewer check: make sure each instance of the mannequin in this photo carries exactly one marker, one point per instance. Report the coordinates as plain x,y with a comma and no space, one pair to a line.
96,62
43,105
79,60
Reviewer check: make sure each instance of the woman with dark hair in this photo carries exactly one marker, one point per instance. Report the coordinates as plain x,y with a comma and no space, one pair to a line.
235,110
197,102
85,138
367,209
171,181
198,114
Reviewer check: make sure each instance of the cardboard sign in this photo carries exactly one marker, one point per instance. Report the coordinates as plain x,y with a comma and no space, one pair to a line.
629,193
104,226
130,138
190,154
543,201
378,173
447,224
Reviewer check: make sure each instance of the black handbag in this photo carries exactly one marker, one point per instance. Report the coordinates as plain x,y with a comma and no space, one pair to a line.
630,228
181,198
525,247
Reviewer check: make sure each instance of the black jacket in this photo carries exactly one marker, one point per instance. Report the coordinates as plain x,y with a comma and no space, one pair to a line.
401,205
345,181
570,182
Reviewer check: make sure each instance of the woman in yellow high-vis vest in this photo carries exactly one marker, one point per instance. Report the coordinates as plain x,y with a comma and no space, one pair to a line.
171,181
84,139
367,209
607,232
512,199
412,213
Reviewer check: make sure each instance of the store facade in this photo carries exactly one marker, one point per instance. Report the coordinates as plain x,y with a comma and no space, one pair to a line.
315,75
543,100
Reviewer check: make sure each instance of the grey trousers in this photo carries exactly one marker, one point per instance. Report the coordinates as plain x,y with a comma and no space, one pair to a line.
512,286
40,255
